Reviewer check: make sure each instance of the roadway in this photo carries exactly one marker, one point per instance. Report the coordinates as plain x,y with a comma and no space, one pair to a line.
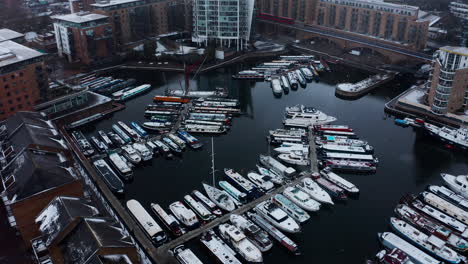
356,39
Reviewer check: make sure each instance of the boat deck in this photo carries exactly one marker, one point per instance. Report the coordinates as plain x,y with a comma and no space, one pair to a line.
163,252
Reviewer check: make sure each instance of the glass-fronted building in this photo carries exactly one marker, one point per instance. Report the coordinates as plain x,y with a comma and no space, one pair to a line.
228,22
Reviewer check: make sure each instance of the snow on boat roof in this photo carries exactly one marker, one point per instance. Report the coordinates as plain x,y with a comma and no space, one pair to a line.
234,233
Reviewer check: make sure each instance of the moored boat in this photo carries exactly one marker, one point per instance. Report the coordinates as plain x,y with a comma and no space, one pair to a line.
132,133
223,253
134,92
184,215
83,144
365,149
205,129
277,217
457,137
185,255
207,202
349,165
451,222
458,184
417,256
110,178
261,181
277,166
342,128
238,197
237,239
220,198
116,139
172,145
202,212
120,165
191,140
431,244
144,219
274,177
295,157
142,151
275,233
121,134
99,145
139,129
168,220
290,208
430,227
177,140
105,139
163,148
302,199
328,174
445,206
256,235
310,187
130,153
240,182
450,196
335,191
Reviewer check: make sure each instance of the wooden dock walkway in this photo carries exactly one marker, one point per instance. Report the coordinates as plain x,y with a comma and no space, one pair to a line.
163,253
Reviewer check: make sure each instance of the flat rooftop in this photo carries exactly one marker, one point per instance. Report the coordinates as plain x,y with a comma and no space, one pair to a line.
8,34
113,3
12,52
457,50
79,18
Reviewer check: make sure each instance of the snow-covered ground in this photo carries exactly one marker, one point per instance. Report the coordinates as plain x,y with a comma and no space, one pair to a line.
414,96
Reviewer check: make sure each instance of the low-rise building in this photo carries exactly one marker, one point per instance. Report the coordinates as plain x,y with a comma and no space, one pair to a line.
35,168
23,78
8,34
86,38
74,232
459,9
448,90
135,20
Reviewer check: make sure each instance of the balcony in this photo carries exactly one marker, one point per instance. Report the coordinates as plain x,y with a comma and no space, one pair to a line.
438,110
443,89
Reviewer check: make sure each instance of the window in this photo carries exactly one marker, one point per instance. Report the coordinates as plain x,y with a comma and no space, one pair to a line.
12,109
21,74
7,86
8,94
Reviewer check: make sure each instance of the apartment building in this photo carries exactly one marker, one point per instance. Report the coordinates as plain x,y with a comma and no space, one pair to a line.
84,37
23,78
227,22
448,89
135,20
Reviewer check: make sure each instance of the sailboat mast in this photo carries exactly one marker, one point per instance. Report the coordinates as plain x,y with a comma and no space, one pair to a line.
212,161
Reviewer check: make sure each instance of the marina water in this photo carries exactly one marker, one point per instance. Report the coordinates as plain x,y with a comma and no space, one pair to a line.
344,233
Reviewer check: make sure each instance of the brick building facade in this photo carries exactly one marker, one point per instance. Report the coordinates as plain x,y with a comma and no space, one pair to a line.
378,20
84,37
23,78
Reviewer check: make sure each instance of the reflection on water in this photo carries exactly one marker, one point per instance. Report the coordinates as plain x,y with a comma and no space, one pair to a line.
345,233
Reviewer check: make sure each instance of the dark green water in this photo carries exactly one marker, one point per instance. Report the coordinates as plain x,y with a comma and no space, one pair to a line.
345,233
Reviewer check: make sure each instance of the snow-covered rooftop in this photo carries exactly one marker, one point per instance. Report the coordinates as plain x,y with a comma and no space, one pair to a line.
113,3
60,213
8,34
12,52
80,17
